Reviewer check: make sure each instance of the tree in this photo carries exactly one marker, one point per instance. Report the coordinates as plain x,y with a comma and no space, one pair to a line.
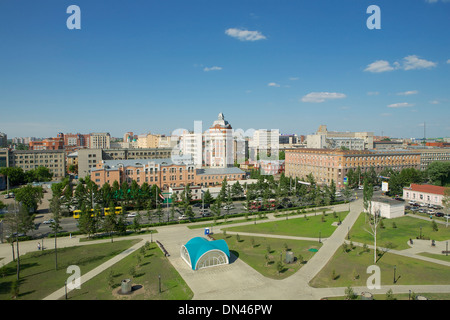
30,196
374,218
237,190
439,173
55,208
207,197
18,220
110,221
347,193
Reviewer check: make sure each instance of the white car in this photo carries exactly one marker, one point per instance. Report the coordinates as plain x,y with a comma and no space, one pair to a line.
182,217
132,215
48,221
361,187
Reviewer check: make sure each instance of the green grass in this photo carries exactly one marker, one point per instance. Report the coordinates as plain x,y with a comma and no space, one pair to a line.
409,271
407,227
253,251
153,263
301,227
38,277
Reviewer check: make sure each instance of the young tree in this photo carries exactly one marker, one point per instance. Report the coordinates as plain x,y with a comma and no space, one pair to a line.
110,221
55,208
18,220
373,218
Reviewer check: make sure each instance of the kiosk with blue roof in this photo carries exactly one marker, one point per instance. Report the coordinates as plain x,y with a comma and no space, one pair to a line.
201,253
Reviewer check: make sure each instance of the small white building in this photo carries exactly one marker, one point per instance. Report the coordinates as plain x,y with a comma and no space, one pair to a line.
388,208
424,193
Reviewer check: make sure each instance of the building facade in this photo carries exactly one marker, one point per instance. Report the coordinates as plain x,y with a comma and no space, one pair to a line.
424,193
326,165
54,160
100,140
163,172
324,139
89,158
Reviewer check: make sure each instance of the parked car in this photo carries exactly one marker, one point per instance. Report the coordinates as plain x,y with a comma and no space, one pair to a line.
9,195
49,221
439,214
228,207
361,188
132,215
182,217
206,214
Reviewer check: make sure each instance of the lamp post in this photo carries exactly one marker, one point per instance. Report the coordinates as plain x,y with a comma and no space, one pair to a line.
320,237
159,280
395,269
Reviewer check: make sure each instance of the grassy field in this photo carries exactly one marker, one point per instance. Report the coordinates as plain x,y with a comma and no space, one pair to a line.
38,277
300,226
254,250
144,276
350,268
406,228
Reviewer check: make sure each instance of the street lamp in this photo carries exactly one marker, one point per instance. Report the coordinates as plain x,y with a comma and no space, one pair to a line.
395,269
159,280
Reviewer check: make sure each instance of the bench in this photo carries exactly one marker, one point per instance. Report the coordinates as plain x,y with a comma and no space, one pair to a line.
445,252
166,253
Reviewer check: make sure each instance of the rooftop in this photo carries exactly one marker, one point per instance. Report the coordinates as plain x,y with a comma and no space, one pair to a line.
427,188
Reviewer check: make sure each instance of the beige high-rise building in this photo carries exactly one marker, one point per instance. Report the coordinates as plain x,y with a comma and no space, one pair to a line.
324,139
100,140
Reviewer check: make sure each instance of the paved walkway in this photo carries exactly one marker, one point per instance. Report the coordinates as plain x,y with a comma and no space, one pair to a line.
237,280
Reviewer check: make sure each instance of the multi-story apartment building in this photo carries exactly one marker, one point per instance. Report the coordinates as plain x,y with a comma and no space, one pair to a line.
76,140
48,144
326,165
89,158
54,160
430,155
324,139
3,140
100,140
265,144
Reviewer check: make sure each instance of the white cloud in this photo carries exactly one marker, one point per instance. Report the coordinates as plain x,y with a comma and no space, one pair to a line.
414,62
245,35
407,93
273,84
411,62
434,102
373,93
379,66
435,1
319,97
214,68
296,78
400,105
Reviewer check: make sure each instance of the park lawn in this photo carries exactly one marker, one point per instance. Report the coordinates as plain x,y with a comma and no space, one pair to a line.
407,227
311,226
153,264
350,269
253,251
38,277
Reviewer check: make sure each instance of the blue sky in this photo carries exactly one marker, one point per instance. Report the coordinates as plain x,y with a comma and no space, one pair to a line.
155,66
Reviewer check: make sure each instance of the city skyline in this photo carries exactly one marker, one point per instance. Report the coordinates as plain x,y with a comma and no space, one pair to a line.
159,66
